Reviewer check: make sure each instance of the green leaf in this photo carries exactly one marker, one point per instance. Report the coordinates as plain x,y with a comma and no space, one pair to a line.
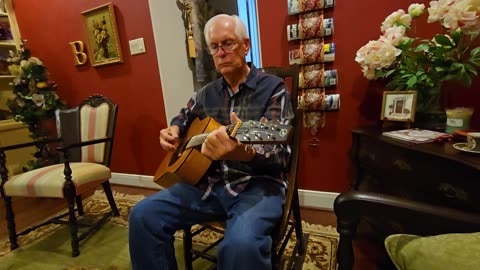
412,81
443,40
388,73
475,56
475,52
455,67
455,35
471,69
422,47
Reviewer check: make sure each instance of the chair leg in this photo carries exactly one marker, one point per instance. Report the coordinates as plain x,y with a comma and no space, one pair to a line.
72,219
299,259
12,232
345,255
80,205
187,248
111,200
300,249
298,223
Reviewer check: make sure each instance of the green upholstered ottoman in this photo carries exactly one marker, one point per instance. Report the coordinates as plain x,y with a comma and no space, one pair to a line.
456,251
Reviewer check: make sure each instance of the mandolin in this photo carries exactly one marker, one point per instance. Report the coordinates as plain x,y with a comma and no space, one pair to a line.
187,163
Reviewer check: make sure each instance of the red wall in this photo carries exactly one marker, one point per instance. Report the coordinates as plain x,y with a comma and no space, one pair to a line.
135,84
327,167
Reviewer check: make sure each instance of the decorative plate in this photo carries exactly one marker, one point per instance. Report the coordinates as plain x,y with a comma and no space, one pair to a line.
463,147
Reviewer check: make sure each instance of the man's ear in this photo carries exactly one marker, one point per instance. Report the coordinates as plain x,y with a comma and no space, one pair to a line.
246,43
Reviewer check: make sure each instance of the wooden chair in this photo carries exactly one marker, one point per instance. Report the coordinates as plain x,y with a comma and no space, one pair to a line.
85,141
408,217
290,221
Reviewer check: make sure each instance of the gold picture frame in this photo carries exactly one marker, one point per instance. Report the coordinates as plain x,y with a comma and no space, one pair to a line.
399,106
102,35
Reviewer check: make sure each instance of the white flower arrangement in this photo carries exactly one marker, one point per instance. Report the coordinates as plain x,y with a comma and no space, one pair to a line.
410,63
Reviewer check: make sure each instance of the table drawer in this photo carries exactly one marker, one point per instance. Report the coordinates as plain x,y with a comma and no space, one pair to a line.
402,171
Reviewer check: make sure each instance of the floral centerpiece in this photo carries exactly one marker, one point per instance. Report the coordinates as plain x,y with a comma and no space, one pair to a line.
407,62
35,99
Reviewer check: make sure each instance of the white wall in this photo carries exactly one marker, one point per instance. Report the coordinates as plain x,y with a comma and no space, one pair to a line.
175,74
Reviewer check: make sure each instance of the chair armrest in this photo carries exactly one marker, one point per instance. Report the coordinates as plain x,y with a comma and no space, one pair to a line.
354,205
84,143
411,216
34,143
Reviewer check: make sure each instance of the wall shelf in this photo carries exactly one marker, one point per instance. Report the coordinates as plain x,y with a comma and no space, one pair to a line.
8,43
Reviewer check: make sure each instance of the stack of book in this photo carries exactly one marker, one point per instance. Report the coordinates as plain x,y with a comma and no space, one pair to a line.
416,135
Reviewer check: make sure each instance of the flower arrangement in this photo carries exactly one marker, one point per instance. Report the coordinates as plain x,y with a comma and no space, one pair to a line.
35,99
100,32
35,96
411,63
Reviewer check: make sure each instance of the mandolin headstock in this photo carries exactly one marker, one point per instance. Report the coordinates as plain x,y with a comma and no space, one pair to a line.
256,132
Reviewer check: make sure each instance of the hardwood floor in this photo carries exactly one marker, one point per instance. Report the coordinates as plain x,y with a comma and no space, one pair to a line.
365,253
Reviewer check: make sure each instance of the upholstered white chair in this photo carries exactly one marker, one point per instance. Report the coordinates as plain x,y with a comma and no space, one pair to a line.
85,139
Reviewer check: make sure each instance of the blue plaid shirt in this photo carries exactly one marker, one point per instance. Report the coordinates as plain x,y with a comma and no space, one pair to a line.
261,95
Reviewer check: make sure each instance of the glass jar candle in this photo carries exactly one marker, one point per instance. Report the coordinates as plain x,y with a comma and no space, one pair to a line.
458,118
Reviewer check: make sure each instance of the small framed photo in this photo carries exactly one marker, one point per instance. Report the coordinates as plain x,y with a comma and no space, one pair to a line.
102,35
399,106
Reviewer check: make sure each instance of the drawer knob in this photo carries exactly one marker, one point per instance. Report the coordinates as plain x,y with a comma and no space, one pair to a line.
402,165
453,192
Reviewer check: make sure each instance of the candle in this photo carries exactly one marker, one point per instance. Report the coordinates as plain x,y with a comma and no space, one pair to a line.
458,118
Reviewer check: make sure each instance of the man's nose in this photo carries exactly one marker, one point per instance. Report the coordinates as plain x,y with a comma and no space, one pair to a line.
220,52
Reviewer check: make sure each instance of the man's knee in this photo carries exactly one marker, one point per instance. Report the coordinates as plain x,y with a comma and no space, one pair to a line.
139,211
244,243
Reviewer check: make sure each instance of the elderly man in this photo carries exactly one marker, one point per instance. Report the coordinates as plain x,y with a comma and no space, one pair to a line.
244,186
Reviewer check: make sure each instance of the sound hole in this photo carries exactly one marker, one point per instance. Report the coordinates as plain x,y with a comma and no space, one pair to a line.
178,152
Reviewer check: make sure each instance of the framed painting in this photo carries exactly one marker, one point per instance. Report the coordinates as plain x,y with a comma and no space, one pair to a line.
399,106
102,35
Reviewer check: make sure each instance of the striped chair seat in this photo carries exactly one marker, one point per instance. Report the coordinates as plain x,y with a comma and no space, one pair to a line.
49,181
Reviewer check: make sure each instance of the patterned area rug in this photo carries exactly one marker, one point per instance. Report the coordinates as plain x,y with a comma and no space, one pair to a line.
49,247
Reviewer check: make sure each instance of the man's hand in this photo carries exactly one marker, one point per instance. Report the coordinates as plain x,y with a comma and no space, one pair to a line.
220,146
168,137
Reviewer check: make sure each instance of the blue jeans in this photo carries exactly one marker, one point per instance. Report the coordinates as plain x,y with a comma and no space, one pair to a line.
250,217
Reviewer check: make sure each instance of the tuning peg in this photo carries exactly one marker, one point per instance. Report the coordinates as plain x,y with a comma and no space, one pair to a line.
275,127
258,137
270,136
246,137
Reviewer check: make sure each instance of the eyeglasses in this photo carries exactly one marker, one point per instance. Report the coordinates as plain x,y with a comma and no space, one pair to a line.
227,46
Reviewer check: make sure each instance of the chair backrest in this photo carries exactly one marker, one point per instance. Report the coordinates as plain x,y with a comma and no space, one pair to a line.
94,118
290,74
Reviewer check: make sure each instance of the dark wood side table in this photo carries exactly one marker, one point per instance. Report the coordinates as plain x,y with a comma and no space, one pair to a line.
434,172
402,187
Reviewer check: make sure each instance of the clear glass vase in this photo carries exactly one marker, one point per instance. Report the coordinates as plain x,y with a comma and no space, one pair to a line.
429,113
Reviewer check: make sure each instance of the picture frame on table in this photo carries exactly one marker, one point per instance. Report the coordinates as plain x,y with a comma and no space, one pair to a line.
103,42
399,106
